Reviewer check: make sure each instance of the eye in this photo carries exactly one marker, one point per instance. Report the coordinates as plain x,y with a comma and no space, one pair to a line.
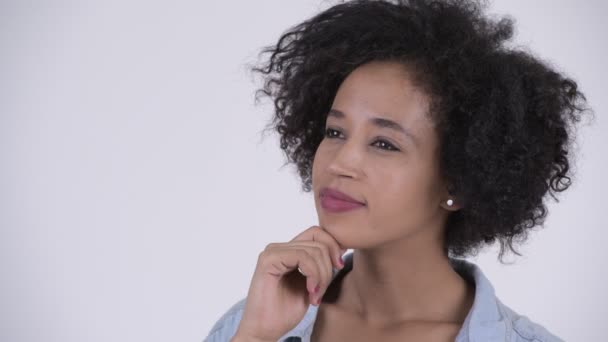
387,146
329,131
382,144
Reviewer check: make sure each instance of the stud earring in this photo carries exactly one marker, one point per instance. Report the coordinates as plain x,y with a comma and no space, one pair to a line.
450,202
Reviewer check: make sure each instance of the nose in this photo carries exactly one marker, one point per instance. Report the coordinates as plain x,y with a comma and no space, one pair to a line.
347,160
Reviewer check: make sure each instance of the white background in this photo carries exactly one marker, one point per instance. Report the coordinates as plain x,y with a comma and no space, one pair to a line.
136,190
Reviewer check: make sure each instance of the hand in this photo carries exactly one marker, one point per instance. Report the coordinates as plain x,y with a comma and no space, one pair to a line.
279,295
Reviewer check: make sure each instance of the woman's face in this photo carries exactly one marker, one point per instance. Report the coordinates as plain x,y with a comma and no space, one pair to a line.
394,171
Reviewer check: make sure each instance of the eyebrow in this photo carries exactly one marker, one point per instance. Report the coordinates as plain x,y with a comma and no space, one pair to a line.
379,122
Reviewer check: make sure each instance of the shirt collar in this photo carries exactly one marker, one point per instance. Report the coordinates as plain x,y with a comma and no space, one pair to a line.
484,322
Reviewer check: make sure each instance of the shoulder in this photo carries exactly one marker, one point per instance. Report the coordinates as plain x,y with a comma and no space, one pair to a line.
523,329
225,327
490,319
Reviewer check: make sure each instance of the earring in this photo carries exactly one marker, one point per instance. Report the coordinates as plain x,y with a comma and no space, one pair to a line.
450,202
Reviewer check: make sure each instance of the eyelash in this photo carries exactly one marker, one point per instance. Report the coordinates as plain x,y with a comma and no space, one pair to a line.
391,149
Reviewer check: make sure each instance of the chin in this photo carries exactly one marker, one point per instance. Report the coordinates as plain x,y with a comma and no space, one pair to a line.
345,235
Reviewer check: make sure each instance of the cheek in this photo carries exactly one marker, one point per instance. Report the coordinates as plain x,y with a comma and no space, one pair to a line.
403,191
396,190
317,161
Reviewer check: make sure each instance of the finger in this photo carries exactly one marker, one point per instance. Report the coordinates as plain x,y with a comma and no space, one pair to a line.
317,233
318,250
322,254
278,260
323,278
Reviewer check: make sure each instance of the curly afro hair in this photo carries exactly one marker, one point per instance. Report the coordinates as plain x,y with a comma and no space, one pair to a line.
504,118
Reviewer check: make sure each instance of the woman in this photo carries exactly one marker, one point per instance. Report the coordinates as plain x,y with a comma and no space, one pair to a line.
423,138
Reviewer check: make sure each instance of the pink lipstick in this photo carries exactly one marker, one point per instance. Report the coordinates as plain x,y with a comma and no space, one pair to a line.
335,201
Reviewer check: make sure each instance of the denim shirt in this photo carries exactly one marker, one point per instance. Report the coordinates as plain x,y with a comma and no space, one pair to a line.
489,320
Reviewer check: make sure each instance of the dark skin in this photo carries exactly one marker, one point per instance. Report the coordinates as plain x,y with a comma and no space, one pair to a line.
401,285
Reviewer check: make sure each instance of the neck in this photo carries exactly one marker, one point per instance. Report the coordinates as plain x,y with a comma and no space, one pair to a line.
409,280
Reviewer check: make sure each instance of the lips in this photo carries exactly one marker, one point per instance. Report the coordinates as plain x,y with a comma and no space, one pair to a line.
335,201
336,195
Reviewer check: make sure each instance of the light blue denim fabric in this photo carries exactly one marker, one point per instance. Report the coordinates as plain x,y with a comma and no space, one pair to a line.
489,320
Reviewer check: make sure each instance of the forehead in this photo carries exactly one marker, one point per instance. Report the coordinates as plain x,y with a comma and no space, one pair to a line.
384,90
383,87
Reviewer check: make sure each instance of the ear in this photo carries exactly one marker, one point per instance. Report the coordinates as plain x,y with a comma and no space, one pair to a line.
448,194
455,204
